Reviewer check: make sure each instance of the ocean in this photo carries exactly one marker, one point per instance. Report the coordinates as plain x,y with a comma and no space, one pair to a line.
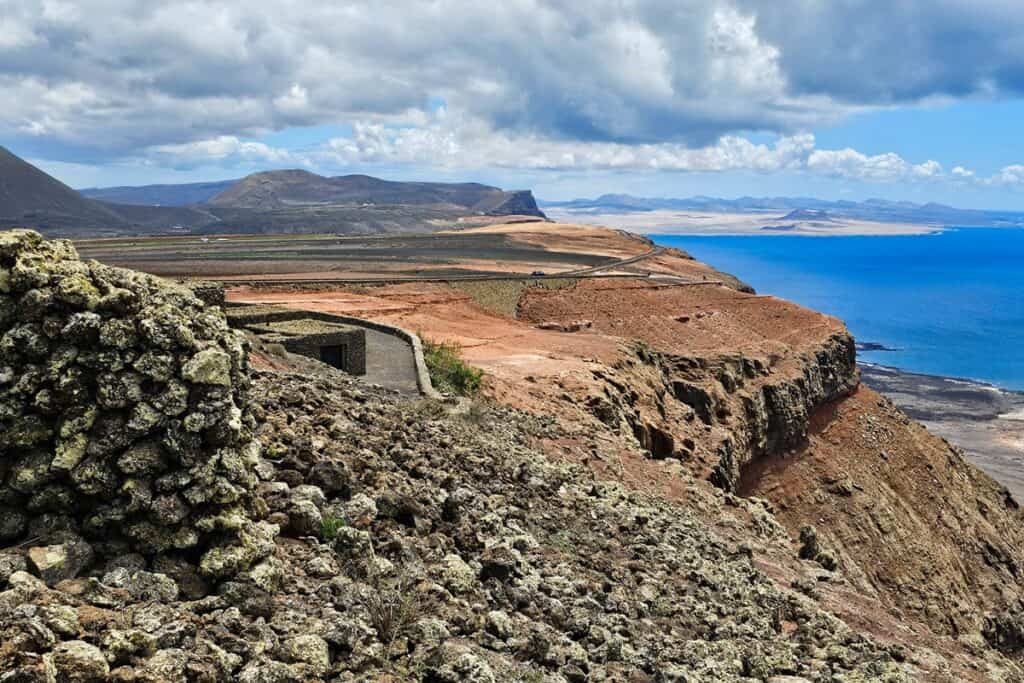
950,303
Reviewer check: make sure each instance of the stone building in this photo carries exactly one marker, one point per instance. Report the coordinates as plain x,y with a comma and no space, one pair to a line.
310,334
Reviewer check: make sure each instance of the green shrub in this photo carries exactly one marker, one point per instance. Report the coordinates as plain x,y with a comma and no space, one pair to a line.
330,526
448,372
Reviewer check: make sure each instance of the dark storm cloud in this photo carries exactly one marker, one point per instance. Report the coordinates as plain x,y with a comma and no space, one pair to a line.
898,51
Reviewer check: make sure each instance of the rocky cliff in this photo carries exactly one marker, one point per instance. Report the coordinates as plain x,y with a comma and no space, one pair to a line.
695,488
900,512
516,203
712,397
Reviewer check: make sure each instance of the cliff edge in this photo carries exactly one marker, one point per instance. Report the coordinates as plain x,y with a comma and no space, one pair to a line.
747,412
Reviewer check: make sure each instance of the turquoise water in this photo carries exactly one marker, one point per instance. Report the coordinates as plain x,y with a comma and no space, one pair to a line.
949,304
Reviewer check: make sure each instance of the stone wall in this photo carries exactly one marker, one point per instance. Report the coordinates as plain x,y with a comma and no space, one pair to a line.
209,292
124,425
320,340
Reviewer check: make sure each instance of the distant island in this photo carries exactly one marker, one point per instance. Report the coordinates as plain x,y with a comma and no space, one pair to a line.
753,215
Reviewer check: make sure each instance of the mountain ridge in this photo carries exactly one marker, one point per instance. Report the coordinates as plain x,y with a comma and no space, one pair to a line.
288,201
166,194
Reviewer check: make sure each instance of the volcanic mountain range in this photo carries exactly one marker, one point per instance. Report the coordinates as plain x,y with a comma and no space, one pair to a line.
273,201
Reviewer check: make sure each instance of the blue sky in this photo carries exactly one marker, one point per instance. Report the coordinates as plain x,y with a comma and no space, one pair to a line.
908,99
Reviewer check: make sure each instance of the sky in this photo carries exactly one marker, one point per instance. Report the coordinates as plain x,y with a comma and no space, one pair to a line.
839,99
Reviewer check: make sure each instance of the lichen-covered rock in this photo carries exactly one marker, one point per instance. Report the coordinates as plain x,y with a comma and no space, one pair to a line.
124,414
309,649
54,563
78,661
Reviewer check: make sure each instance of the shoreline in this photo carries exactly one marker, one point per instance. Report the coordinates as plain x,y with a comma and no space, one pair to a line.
951,379
985,420
764,223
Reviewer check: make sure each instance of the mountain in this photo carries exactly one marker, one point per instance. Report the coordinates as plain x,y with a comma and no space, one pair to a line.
880,210
28,196
280,189
31,198
293,201
817,215
159,195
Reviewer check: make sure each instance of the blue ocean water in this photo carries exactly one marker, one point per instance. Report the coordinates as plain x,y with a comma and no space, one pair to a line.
950,303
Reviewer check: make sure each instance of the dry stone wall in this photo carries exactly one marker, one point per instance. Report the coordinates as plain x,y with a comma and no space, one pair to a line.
124,425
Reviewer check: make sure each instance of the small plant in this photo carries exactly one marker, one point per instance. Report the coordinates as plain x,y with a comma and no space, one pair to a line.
448,372
390,596
393,606
331,525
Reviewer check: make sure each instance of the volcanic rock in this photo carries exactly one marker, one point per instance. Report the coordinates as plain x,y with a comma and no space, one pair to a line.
123,404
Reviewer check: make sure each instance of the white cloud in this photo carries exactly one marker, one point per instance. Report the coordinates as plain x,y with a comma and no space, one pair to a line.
887,167
15,34
1009,176
673,85
458,142
225,150
961,172
640,72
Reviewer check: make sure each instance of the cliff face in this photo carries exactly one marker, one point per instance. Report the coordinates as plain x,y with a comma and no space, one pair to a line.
909,521
909,518
749,410
516,203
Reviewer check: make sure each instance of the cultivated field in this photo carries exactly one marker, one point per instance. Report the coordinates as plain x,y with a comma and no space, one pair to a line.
515,249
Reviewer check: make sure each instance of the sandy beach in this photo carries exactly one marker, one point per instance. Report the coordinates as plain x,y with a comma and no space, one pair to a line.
986,421
664,222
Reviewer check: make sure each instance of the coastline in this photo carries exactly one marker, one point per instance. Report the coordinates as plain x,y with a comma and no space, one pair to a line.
985,420
764,223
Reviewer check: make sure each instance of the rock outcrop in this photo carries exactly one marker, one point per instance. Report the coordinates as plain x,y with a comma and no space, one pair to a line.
735,404
124,419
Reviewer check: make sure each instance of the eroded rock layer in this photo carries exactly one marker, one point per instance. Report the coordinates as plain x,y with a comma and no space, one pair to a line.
123,419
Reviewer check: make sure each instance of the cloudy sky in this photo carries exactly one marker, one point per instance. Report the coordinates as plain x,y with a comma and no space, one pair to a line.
914,99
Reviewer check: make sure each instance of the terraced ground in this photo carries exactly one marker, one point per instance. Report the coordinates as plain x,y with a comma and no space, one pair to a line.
406,255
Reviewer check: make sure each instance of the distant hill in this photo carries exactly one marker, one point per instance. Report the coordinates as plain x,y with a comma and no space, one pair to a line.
276,201
159,195
273,190
31,198
816,215
870,210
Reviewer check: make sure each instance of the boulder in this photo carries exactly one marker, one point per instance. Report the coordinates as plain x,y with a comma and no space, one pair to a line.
55,563
76,661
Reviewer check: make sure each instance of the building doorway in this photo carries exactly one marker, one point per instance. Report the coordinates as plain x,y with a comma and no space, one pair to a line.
334,356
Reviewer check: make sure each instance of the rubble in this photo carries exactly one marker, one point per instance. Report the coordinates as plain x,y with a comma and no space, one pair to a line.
461,553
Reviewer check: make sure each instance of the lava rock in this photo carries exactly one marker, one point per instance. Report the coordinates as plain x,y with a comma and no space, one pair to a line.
76,661
55,563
